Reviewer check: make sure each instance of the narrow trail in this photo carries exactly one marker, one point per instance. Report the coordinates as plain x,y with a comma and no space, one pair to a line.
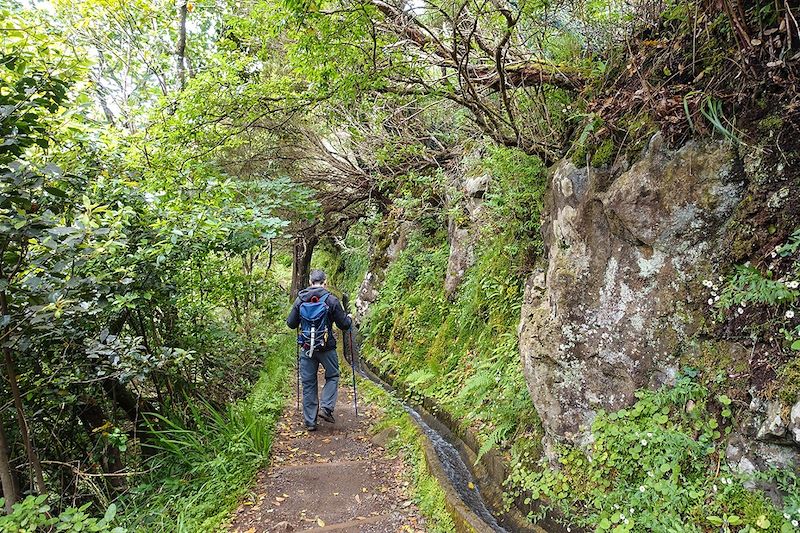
338,478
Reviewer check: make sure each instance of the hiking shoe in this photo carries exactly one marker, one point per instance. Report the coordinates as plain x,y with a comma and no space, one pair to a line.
327,415
311,427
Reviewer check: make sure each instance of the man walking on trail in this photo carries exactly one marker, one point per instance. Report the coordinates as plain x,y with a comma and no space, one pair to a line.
318,346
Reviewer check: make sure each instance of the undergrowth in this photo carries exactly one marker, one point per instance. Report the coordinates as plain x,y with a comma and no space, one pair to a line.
656,466
427,492
462,353
201,468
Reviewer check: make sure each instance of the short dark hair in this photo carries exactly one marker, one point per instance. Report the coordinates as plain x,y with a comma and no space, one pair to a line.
317,276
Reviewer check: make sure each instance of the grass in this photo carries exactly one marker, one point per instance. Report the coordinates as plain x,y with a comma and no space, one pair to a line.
201,470
426,491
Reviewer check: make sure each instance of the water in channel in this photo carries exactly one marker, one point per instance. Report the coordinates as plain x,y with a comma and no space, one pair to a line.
457,472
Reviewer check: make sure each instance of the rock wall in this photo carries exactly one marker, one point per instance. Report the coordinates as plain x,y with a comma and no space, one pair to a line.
625,260
461,234
395,242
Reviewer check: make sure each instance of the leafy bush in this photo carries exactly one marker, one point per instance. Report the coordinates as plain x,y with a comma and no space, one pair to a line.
656,466
34,514
204,461
462,354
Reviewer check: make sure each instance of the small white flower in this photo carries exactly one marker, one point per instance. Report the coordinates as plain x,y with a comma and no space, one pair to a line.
789,314
740,311
642,488
787,516
616,506
714,488
716,298
793,284
773,255
743,303
795,523
711,301
644,442
627,521
622,517
631,511
708,283
649,435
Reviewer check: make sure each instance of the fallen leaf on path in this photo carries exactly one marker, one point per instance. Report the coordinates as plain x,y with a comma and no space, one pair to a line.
320,522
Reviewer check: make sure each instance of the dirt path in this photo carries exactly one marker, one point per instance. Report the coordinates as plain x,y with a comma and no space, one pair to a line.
334,479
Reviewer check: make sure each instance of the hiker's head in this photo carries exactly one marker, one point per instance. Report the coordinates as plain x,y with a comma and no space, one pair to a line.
317,278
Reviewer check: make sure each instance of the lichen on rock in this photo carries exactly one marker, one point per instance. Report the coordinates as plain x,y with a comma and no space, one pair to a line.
625,255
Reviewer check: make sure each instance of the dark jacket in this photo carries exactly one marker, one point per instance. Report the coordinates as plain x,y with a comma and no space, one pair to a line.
336,312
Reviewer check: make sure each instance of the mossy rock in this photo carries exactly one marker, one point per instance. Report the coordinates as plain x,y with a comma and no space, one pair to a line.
770,123
604,153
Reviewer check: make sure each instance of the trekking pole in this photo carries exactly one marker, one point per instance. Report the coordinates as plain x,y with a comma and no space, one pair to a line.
297,368
353,367
346,305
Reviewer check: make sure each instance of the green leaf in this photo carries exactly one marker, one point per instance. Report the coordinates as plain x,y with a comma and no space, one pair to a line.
111,512
55,191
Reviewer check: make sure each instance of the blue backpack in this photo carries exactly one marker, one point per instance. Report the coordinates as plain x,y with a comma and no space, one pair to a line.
314,324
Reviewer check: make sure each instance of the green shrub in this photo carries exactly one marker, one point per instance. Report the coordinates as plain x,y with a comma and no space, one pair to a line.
656,466
34,514
206,458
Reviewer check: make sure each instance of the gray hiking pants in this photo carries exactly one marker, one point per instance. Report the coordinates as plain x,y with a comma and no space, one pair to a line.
308,375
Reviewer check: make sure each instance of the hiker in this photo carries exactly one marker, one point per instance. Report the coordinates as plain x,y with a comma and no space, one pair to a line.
315,311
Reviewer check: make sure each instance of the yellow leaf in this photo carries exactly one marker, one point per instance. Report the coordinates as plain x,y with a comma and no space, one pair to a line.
471,485
320,522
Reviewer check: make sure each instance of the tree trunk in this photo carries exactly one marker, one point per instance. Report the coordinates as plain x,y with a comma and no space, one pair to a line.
33,458
180,47
6,476
301,266
133,407
93,417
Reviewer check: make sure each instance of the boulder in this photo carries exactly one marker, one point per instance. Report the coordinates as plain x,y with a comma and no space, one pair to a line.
626,257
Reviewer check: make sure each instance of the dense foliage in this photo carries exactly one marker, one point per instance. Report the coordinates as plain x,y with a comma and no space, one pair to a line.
137,301
656,466
161,161
463,353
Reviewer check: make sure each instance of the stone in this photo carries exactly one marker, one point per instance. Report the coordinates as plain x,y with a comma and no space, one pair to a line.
476,187
462,234
385,436
794,422
625,258
283,527
773,425
373,279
